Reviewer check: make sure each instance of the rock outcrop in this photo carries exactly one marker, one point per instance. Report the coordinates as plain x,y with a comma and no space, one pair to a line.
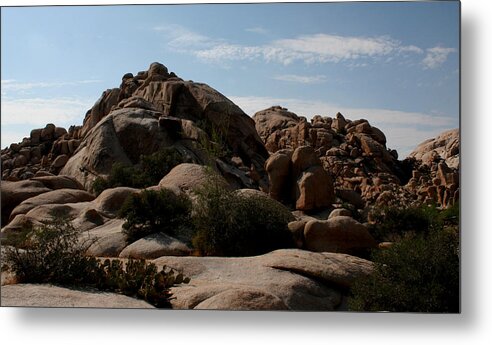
364,171
436,163
446,146
297,178
46,150
49,296
163,110
288,279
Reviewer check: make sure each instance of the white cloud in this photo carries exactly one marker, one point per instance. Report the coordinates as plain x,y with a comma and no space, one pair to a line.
14,85
183,39
257,30
309,49
319,48
404,130
436,56
39,111
303,79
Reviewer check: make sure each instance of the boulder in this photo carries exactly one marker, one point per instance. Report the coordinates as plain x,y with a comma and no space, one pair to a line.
340,212
314,189
57,181
340,234
110,200
278,168
13,193
154,246
289,279
59,196
186,177
49,296
107,240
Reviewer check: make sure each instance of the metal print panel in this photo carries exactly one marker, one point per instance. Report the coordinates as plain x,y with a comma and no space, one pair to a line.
294,157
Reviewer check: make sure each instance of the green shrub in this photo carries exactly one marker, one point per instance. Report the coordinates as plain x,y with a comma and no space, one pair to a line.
392,223
418,274
151,169
151,211
230,225
52,253
159,164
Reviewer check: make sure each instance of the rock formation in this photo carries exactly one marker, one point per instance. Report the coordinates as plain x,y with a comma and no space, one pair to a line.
159,109
355,156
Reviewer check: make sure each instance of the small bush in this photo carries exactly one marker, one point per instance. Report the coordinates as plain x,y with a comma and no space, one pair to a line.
52,253
151,169
392,223
418,274
231,225
155,211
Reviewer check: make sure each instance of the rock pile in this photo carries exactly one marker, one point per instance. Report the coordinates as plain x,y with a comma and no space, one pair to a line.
46,150
354,153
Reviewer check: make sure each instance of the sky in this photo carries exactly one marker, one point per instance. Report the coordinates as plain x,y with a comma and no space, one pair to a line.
395,64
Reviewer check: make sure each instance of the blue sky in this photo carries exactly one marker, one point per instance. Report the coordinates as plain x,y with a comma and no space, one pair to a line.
395,64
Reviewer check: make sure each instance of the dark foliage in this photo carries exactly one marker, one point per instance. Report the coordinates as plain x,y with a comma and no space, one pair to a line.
151,211
151,169
418,274
231,225
392,223
52,253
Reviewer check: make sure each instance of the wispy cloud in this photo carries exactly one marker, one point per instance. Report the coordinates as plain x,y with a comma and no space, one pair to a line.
40,111
308,49
303,79
14,85
436,56
404,130
257,30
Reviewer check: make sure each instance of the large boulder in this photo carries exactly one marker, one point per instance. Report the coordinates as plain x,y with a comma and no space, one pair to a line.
13,193
46,296
107,240
314,189
278,168
59,196
289,279
186,177
340,234
154,246
298,178
109,202
58,182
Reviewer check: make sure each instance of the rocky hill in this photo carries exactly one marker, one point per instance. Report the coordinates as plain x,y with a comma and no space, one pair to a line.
150,111
327,174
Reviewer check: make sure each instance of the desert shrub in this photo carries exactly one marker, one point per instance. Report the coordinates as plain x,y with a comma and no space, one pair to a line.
151,169
451,215
158,164
418,274
52,253
392,223
151,211
230,225
48,253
